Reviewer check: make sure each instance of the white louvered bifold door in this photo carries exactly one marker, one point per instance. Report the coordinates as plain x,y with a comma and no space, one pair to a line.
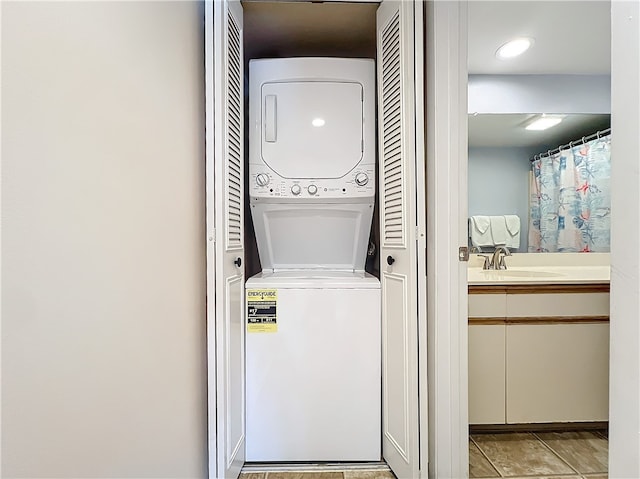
396,137
229,240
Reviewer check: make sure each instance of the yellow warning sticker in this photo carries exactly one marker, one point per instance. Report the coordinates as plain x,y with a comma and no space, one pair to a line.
262,307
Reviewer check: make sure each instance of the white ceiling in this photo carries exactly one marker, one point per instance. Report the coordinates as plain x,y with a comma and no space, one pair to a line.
570,36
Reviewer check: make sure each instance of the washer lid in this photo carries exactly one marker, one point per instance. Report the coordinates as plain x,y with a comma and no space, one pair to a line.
313,280
312,236
312,129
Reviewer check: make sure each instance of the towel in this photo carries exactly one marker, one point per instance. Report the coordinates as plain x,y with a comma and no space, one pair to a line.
479,231
498,230
513,231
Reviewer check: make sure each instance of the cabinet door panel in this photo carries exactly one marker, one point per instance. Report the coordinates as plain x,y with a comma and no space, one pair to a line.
557,372
487,374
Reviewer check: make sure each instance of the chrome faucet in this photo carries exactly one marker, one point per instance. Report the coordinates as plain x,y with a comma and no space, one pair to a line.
487,261
497,260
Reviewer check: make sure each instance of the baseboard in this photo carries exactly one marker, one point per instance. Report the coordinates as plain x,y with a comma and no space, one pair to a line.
540,427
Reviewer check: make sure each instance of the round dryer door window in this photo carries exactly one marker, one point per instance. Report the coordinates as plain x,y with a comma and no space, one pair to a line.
312,129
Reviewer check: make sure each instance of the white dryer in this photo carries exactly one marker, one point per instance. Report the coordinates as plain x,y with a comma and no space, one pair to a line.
313,315
312,161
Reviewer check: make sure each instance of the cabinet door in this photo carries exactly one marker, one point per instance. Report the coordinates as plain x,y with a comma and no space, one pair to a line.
487,374
557,372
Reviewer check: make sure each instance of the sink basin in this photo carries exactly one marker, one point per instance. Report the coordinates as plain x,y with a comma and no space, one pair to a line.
519,273
538,274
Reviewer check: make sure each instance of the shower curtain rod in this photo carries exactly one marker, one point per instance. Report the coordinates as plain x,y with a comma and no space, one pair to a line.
571,144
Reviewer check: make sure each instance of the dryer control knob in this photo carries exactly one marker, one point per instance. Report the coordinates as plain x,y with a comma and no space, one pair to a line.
362,179
262,179
295,189
312,189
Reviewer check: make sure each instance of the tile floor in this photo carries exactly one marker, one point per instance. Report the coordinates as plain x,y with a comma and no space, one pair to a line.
319,475
548,455
541,455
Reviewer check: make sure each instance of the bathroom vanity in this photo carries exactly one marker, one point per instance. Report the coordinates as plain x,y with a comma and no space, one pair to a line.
539,340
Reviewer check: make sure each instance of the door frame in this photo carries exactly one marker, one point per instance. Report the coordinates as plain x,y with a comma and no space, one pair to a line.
209,81
446,164
442,389
624,361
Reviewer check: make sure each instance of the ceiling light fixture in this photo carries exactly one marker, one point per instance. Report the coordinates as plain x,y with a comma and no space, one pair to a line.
514,48
543,122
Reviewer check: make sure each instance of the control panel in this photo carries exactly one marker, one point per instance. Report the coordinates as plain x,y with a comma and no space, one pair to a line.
264,183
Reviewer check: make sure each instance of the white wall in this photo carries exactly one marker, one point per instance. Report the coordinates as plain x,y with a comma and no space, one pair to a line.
499,184
103,264
624,383
539,94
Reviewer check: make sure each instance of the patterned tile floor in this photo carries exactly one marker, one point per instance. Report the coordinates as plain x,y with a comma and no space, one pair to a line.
548,455
522,455
319,475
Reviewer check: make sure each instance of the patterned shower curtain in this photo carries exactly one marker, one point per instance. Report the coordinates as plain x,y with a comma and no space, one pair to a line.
570,199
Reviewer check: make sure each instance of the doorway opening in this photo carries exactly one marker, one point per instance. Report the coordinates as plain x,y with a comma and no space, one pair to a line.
538,326
394,33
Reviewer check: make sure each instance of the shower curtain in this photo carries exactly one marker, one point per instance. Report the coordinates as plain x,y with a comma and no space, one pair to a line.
570,199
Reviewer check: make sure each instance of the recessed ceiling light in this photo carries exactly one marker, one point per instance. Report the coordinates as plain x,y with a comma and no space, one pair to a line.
317,122
543,122
514,48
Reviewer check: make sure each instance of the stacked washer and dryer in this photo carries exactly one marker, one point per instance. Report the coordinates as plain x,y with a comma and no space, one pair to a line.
313,359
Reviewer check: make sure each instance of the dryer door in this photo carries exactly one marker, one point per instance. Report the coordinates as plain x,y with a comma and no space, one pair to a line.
312,129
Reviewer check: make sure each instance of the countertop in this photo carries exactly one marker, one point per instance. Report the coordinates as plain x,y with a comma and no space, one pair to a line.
543,268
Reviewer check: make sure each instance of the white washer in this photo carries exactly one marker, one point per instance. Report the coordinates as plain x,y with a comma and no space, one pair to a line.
313,338
313,387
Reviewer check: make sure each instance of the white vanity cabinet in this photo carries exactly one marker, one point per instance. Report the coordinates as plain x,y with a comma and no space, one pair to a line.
538,354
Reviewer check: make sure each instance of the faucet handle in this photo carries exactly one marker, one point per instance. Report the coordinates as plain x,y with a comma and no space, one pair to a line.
487,261
501,263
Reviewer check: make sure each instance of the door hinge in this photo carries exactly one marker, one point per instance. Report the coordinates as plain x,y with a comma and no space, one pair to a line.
463,253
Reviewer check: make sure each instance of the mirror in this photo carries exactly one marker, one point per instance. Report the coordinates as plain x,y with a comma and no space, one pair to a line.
565,72
500,154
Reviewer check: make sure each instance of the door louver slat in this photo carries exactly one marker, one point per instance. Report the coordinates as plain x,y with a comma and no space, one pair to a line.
393,206
234,145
